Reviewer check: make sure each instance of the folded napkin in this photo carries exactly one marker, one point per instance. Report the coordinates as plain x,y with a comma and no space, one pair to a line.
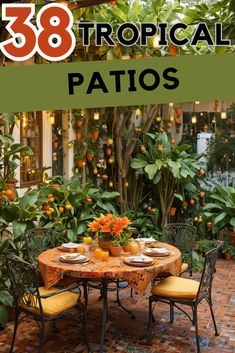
140,259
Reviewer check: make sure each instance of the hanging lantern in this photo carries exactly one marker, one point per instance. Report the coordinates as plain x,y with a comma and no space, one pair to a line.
223,113
194,119
137,112
52,120
96,115
197,102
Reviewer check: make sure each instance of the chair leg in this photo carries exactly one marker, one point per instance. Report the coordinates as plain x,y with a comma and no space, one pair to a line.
42,337
150,322
15,329
171,312
131,292
213,316
196,328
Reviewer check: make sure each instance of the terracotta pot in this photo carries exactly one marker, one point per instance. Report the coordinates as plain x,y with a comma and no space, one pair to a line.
95,134
104,244
228,256
231,235
172,211
55,145
116,250
89,157
78,135
79,123
108,151
126,247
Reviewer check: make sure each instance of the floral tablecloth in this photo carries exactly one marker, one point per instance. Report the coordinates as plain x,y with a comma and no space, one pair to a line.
52,270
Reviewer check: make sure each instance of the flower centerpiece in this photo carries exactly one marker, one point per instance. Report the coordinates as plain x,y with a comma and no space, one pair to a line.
111,230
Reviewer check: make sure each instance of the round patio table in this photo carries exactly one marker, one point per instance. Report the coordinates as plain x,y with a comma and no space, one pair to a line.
53,270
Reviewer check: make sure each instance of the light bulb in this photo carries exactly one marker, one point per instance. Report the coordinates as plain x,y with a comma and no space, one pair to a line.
138,112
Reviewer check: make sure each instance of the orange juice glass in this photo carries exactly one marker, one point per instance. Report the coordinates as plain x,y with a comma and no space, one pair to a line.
97,254
80,249
134,248
104,255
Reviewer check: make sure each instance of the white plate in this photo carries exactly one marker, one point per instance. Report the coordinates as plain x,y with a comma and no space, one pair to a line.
74,257
146,240
139,259
70,245
157,250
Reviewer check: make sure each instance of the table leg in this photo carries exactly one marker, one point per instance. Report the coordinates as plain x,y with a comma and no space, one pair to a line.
104,285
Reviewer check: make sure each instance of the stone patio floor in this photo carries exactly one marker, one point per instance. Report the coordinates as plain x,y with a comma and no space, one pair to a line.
125,335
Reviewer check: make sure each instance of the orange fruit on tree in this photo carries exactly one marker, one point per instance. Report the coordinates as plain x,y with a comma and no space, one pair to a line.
95,171
200,219
195,219
202,171
48,212
202,193
110,184
172,50
49,196
45,207
52,199
104,176
108,151
68,206
88,199
110,160
61,209
51,210
9,192
142,149
192,202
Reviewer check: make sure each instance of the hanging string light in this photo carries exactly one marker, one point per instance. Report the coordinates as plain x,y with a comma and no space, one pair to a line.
96,115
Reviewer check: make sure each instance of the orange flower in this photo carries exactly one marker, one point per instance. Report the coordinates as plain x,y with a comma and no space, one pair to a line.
105,229
94,226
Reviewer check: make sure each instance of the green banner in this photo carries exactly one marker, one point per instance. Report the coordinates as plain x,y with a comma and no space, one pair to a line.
117,83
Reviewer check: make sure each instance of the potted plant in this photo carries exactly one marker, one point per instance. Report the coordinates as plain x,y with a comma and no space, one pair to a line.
228,250
110,230
221,210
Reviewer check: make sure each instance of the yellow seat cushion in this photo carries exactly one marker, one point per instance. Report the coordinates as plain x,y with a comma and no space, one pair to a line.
54,305
176,287
184,267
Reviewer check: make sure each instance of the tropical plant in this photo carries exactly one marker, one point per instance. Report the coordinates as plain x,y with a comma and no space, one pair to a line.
221,209
9,151
171,170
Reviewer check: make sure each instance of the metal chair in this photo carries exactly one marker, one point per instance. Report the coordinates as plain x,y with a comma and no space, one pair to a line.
183,237
177,291
38,240
39,303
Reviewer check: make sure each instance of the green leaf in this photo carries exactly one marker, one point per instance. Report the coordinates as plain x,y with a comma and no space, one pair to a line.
151,170
3,314
5,298
29,200
159,163
190,187
109,194
220,217
18,228
71,235
138,163
210,206
232,222
179,196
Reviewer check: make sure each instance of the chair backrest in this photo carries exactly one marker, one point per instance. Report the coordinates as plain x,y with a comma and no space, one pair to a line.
208,273
38,240
180,235
24,283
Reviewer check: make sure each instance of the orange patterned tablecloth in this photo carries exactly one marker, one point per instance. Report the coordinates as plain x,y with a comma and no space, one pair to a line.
53,271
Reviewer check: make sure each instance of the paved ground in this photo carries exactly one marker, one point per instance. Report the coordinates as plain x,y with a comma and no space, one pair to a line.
125,335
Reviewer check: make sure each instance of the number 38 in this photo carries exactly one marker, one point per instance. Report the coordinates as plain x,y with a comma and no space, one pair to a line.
54,39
